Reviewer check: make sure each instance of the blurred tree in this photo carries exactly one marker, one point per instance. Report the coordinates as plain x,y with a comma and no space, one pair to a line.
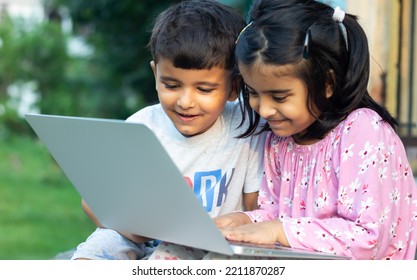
8,68
242,5
31,54
112,80
43,58
118,32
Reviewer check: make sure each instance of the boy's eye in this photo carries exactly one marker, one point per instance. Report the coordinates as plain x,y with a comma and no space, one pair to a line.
171,86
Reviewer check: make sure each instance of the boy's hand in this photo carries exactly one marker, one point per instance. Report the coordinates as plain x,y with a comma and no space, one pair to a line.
134,237
90,214
231,220
250,201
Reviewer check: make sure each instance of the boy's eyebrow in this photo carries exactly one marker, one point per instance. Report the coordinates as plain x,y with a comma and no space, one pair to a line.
206,83
165,78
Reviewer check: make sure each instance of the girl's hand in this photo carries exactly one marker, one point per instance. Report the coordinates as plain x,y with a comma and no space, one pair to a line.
231,220
268,232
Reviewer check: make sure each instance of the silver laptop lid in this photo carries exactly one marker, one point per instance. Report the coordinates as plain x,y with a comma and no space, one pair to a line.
131,184
122,172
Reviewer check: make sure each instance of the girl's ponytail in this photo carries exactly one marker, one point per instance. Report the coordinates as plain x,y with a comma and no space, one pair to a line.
354,89
357,71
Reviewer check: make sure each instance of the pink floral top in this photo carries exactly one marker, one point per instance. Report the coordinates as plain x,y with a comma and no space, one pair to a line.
352,193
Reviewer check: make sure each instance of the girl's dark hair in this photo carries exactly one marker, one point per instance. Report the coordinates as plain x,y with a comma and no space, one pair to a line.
277,36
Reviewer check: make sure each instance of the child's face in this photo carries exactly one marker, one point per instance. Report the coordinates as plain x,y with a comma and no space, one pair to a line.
192,99
280,100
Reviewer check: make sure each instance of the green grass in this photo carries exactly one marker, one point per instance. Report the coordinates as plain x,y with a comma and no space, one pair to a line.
40,211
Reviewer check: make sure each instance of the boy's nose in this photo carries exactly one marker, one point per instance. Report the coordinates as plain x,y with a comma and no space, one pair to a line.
186,99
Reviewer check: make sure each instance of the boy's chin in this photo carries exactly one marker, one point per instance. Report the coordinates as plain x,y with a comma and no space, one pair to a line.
191,132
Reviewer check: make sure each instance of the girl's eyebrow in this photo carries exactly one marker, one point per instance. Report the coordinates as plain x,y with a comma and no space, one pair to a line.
272,91
277,91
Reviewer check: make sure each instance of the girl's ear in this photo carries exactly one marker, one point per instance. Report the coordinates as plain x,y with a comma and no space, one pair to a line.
331,80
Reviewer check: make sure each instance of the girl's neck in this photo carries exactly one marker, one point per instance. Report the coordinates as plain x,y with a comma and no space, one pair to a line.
304,142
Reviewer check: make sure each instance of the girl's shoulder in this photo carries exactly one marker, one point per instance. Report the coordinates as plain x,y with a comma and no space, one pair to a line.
362,119
365,125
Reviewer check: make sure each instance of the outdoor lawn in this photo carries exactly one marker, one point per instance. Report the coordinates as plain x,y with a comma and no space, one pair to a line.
40,212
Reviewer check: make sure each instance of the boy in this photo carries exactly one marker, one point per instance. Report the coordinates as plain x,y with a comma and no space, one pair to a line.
198,119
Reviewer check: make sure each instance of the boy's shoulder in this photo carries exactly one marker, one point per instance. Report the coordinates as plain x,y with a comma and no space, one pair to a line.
233,118
147,114
233,111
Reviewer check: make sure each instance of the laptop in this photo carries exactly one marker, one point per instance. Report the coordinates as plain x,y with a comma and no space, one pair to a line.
131,184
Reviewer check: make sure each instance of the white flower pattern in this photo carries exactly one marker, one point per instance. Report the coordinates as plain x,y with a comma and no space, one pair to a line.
339,194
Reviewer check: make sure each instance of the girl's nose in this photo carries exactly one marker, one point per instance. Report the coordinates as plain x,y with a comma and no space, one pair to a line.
266,110
186,99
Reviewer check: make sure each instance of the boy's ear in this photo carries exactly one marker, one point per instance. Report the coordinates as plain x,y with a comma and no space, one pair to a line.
235,88
153,66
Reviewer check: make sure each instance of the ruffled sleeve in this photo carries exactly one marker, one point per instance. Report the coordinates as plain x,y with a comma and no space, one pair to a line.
365,206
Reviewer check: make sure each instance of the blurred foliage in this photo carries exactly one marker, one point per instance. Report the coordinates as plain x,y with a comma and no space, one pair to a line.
112,79
31,54
118,32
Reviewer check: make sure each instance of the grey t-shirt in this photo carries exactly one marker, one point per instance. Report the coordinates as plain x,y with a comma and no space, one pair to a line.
217,165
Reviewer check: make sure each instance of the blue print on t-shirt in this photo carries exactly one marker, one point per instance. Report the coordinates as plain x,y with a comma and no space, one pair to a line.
205,187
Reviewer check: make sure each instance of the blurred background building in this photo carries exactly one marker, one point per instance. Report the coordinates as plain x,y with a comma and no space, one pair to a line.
391,30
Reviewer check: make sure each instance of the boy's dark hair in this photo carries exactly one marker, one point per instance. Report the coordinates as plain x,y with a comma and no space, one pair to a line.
277,36
197,34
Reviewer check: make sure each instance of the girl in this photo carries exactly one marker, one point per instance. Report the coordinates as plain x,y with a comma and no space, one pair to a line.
336,175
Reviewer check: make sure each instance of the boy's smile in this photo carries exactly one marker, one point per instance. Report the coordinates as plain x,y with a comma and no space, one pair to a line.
192,99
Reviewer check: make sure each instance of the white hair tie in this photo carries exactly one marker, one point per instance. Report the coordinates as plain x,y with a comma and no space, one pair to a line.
338,15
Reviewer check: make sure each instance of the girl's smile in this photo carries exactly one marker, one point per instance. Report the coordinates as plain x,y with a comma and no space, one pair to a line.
276,124
280,99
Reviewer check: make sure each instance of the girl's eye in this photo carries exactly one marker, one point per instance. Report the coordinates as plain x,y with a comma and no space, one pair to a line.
253,93
279,98
205,90
250,92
